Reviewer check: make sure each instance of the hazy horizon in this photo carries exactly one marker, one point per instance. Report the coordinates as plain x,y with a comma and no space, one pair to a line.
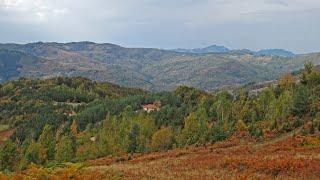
125,46
249,24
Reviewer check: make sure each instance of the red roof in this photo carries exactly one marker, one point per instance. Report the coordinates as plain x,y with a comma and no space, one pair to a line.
150,106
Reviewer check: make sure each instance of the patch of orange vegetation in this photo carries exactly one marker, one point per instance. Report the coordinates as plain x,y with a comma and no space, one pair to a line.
290,157
240,157
6,134
73,171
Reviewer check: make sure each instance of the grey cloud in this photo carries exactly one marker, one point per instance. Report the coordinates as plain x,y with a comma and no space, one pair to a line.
254,24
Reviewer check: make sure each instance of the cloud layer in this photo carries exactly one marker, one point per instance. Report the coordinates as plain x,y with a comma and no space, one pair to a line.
255,24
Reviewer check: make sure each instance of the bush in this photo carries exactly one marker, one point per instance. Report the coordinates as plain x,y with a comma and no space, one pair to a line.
218,133
162,139
255,131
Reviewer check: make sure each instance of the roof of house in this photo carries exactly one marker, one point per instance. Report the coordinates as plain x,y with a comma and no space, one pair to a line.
149,106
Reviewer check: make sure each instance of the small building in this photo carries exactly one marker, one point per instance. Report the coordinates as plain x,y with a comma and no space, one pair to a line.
151,107
93,139
70,113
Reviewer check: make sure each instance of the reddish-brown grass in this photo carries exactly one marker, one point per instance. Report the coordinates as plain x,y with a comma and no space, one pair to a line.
290,157
286,157
4,135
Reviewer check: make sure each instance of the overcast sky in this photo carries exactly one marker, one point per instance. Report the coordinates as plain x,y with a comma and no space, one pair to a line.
253,24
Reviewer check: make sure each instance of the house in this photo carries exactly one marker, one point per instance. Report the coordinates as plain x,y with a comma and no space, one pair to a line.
93,139
151,107
70,113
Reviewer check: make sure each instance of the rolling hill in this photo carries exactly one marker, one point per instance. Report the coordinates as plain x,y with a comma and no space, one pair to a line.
209,49
223,49
147,68
275,52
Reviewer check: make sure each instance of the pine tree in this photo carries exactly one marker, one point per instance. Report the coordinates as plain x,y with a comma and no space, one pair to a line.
47,144
219,132
65,149
32,154
9,156
300,101
133,141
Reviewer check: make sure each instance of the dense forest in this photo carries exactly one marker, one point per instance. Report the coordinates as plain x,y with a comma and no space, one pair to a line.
60,120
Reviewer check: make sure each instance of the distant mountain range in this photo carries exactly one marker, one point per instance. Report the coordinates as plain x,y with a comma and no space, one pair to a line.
147,68
209,49
275,52
223,49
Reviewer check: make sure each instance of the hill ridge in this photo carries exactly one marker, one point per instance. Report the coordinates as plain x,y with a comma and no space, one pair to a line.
142,67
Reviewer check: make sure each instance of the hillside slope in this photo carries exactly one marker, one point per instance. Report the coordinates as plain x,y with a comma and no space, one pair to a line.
14,64
293,157
24,99
155,69
48,125
231,159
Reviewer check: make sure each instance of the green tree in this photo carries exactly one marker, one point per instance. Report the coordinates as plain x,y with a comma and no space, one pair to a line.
223,105
32,154
304,75
190,134
162,139
65,149
147,127
219,132
264,103
300,101
47,144
133,138
280,109
203,118
9,156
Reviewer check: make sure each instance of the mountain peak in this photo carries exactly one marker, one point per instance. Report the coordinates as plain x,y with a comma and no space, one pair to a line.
217,48
209,49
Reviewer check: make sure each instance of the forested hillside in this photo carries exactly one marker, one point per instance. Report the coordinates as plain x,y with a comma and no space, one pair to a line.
63,120
29,104
14,63
150,69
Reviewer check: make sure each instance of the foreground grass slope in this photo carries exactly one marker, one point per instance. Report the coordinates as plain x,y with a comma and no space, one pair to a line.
290,156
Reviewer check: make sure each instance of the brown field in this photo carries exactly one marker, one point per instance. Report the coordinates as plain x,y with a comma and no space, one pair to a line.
284,157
